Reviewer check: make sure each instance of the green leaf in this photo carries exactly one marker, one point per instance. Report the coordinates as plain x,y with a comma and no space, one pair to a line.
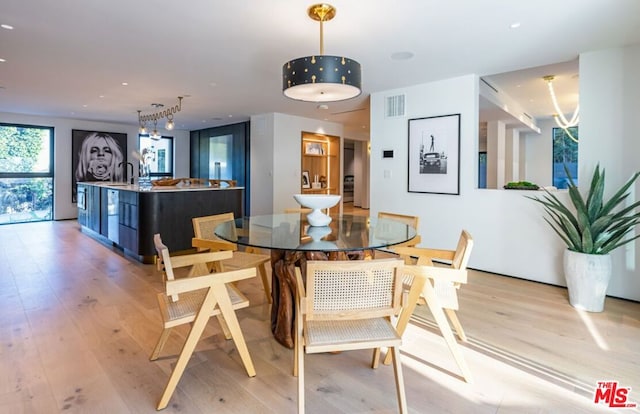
620,195
594,200
594,227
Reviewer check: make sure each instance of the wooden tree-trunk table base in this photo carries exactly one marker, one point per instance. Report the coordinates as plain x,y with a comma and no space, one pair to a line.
283,285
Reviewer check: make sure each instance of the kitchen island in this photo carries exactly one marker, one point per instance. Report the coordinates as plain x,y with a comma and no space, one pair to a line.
129,215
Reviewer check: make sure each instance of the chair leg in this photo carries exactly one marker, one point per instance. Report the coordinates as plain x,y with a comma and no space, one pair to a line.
187,350
407,310
224,302
397,371
376,358
160,344
456,324
262,269
436,310
300,371
223,326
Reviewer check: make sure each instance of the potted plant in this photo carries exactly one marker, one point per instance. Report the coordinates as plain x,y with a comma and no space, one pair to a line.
591,230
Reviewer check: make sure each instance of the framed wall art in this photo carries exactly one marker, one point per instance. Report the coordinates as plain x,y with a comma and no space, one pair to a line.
306,179
434,155
97,156
313,148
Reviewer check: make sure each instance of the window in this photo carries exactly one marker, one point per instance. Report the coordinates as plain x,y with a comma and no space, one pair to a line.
159,153
565,152
482,169
26,173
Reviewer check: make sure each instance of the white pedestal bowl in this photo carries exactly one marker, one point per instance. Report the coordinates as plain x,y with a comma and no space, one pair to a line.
317,202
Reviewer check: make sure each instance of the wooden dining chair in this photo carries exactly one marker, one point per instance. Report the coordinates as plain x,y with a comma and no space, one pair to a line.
412,221
438,286
297,210
347,305
206,240
194,299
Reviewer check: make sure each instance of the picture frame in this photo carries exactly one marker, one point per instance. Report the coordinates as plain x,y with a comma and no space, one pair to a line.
313,148
97,156
306,179
434,155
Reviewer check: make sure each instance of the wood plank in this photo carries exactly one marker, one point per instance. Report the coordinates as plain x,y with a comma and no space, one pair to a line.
78,321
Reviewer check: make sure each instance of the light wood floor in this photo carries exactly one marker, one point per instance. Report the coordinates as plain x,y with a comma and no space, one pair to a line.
78,321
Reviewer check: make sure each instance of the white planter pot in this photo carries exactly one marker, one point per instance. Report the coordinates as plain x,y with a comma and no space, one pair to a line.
587,277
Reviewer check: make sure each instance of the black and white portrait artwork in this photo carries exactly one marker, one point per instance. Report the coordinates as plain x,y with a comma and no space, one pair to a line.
434,154
97,156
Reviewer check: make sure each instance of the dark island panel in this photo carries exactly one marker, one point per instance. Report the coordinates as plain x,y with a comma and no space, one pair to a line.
170,215
129,218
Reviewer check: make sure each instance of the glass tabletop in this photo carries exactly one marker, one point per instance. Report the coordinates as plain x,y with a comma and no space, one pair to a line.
292,232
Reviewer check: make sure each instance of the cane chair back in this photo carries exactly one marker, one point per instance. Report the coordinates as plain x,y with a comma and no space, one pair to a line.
347,305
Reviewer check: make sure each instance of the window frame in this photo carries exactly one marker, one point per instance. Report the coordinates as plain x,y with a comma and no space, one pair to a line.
575,131
50,173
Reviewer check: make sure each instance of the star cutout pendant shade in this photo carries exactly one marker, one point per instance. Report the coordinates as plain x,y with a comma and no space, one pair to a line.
321,78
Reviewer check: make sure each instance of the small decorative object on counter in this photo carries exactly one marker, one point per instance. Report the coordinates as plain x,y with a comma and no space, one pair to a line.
521,185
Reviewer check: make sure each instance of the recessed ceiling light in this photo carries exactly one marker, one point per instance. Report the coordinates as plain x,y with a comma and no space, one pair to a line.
514,25
230,116
2,60
85,105
6,26
125,84
402,55
101,96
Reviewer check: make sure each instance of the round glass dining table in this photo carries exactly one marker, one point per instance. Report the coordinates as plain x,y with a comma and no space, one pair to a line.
292,241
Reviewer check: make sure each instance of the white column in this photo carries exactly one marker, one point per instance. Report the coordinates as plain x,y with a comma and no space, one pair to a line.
495,154
512,154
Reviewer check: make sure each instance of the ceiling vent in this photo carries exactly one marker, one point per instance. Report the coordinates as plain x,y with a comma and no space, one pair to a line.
394,106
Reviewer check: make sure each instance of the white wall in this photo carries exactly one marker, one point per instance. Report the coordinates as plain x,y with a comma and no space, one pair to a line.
63,208
511,236
609,108
539,153
276,164
262,164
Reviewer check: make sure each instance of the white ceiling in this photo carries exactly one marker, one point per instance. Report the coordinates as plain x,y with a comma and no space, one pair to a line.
68,58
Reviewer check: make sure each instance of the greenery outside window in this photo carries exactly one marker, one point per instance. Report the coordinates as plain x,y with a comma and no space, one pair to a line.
26,173
159,153
565,152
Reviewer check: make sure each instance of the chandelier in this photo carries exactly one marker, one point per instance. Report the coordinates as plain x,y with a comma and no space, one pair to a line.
559,117
160,114
321,78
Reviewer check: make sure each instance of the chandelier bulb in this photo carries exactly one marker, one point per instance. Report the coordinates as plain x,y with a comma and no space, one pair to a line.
169,125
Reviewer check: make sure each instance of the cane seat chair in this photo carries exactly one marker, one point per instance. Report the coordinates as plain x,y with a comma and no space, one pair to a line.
438,287
298,210
412,221
194,299
206,240
348,305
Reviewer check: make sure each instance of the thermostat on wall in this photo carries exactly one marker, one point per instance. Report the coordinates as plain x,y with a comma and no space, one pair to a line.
387,153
